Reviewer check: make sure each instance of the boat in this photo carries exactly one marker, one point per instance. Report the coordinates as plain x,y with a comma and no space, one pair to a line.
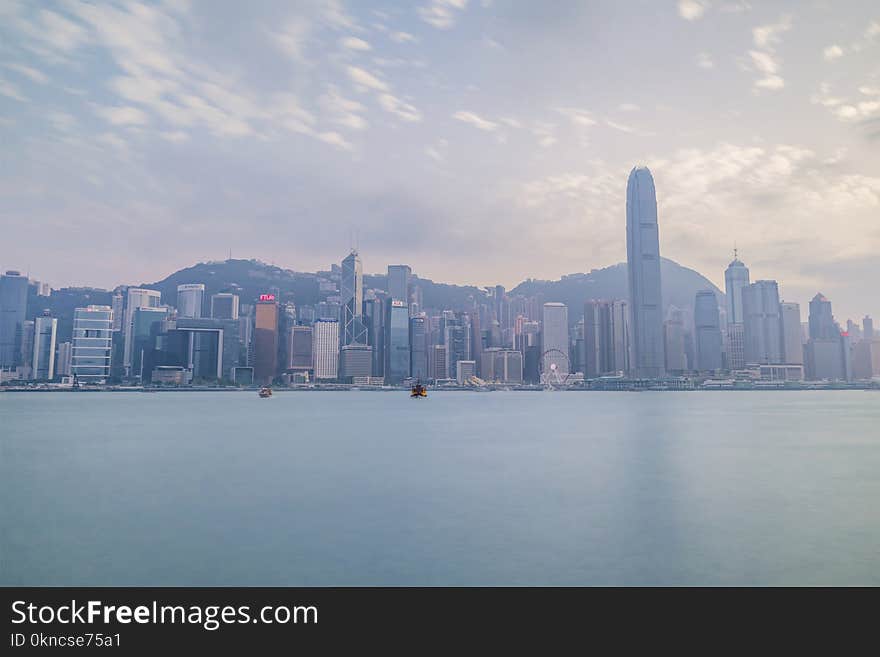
265,392
418,390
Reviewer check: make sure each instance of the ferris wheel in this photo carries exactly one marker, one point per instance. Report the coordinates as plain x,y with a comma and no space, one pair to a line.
552,375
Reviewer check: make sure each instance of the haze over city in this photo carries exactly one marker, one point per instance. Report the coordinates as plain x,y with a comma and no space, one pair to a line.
483,142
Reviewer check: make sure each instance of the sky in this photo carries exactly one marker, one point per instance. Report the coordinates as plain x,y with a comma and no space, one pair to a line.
481,142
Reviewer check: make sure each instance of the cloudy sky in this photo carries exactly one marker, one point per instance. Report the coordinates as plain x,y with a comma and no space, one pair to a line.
479,141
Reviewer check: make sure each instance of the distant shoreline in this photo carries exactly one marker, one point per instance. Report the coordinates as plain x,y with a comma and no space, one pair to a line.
342,388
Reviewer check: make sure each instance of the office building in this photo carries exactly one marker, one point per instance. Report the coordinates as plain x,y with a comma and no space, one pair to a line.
355,362
45,333
399,282
821,320
300,350
190,299
92,344
135,298
736,277
643,267
437,362
224,305
146,326
266,339
466,370
64,358
325,349
868,328
13,306
397,356
762,324
676,360
707,332
354,331
555,356
792,336
418,343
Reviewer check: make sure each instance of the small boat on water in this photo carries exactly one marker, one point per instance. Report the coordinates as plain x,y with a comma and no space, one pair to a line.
265,392
418,390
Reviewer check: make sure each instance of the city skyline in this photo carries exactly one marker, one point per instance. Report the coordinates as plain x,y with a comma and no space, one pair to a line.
759,124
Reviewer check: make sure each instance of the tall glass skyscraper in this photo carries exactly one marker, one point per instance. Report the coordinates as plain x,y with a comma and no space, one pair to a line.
136,298
736,277
707,327
45,331
396,341
643,266
555,338
92,344
13,306
398,282
762,335
352,293
822,324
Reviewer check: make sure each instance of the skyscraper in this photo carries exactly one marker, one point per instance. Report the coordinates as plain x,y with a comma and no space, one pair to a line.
643,268
300,351
136,298
606,338
762,334
736,277
266,339
708,331
398,282
792,341
555,339
13,306
325,349
92,344
418,342
45,332
224,305
352,298
397,357
867,328
190,299
822,324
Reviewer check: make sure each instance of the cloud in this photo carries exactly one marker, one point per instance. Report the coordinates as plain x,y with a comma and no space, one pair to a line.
704,61
341,110
628,107
832,52
849,109
31,73
365,79
765,36
122,115
578,117
402,37
11,91
396,106
354,43
475,120
442,13
293,37
692,10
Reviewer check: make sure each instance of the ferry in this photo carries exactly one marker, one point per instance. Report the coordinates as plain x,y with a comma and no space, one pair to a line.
418,390
265,392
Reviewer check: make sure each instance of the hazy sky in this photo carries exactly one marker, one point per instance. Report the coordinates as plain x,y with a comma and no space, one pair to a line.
480,142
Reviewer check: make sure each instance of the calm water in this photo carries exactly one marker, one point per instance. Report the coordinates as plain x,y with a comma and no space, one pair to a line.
365,488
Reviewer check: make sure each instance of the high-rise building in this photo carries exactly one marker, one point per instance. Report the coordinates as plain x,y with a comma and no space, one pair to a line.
866,358
300,351
266,339
707,328
792,341
397,356
92,344
26,353
146,325
224,305
465,371
398,282
325,349
555,339
867,328
45,332
457,339
736,277
135,298
762,334
605,338
675,346
374,318
352,299
190,299
437,362
13,307
355,362
63,361
643,267
736,357
822,324
418,345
